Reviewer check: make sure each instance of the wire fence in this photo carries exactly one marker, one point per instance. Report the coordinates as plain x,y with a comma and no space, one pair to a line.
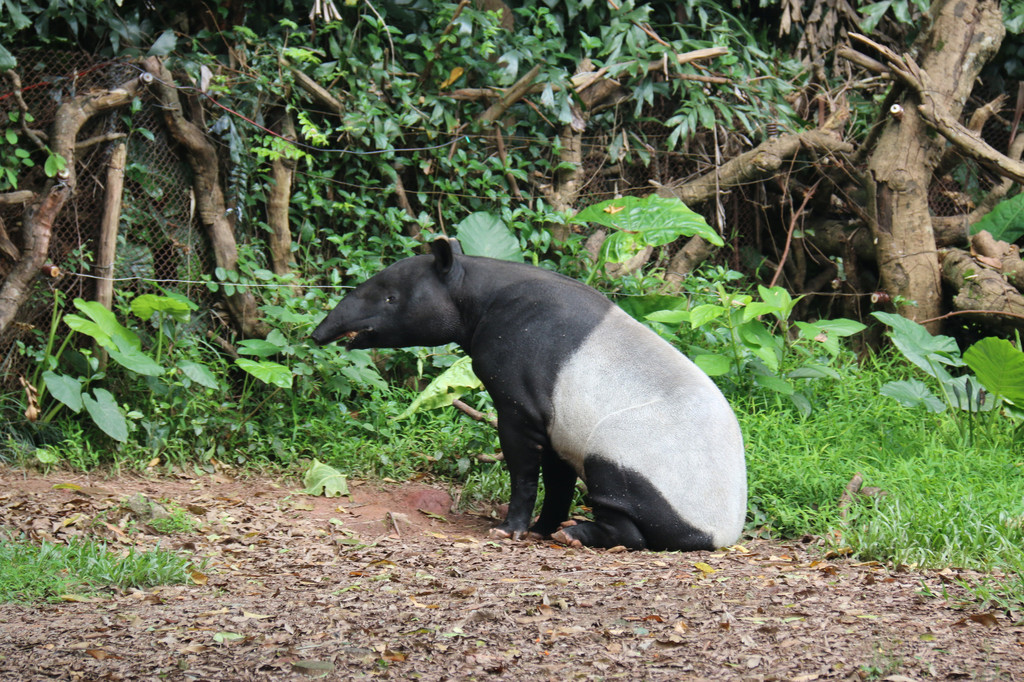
158,236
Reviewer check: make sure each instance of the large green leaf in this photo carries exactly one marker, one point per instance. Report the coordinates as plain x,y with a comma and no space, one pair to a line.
762,343
105,411
67,390
164,45
7,60
713,365
1004,222
107,323
485,234
913,393
669,316
841,326
777,384
645,221
146,305
828,332
452,383
198,373
703,314
266,371
640,307
322,479
364,375
136,361
122,344
89,328
775,301
999,366
258,347
920,347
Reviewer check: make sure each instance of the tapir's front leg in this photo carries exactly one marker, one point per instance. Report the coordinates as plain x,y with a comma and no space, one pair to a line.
522,457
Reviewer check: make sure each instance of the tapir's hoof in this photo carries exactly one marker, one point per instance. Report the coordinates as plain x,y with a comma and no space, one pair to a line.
502,534
560,536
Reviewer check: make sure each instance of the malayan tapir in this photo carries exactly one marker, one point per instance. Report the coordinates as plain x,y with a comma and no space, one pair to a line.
581,390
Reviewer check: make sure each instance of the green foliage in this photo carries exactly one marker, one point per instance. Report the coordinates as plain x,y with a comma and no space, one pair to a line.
13,154
321,479
902,11
939,505
50,571
641,222
450,385
733,339
124,347
997,388
267,371
485,234
1005,221
811,418
177,520
999,367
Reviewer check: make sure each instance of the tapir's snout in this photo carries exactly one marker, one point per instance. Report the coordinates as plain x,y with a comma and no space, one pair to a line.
321,336
336,327
324,335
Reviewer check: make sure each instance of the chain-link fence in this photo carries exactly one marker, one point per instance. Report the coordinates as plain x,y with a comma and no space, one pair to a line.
159,237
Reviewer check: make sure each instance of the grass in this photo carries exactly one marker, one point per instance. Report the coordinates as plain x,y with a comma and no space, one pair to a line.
50,571
178,520
946,502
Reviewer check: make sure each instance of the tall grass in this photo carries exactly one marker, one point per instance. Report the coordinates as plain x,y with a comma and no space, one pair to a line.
942,502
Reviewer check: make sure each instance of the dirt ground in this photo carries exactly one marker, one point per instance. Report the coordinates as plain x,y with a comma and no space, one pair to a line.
389,583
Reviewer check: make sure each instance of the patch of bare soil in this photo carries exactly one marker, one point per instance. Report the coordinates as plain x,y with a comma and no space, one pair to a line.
391,584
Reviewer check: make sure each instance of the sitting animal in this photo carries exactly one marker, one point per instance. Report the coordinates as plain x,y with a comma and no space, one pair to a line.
581,390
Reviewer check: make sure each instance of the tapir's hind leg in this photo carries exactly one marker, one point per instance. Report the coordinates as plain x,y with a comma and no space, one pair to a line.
631,511
612,496
611,530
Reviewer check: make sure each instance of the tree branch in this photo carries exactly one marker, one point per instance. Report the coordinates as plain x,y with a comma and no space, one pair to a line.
934,112
511,96
202,157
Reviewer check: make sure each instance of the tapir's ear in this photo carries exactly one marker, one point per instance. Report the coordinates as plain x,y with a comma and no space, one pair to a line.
444,250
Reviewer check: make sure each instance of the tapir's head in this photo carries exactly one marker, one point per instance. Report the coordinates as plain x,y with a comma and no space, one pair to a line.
409,303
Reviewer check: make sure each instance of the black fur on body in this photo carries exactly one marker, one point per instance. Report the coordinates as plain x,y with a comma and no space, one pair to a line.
581,390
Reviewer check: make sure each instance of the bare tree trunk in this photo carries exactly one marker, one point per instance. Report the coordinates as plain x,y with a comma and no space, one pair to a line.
565,186
37,226
279,194
963,36
106,245
202,156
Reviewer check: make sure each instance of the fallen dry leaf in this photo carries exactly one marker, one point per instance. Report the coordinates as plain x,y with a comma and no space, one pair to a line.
101,654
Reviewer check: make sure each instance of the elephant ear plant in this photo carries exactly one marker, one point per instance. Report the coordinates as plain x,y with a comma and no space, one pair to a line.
996,386
71,383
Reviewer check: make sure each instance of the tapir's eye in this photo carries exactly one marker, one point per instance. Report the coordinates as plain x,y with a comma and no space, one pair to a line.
391,299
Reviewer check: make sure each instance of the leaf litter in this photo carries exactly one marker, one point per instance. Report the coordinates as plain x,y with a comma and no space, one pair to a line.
389,583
